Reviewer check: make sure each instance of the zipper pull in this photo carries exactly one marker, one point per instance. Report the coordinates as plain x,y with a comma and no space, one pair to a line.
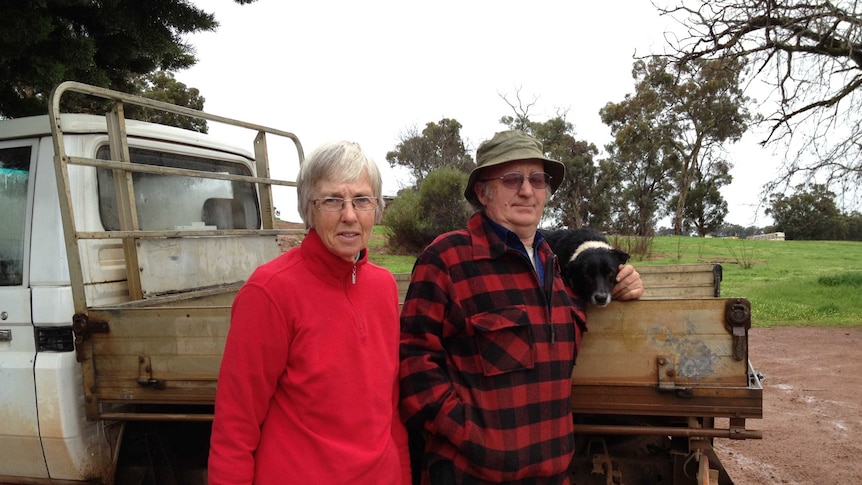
354,274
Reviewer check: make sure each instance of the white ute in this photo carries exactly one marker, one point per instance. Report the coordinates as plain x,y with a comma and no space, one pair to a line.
103,220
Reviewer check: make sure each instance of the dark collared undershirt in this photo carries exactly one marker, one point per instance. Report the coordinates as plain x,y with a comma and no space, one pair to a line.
513,241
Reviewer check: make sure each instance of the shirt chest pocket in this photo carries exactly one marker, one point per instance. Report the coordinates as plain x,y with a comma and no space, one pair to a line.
504,340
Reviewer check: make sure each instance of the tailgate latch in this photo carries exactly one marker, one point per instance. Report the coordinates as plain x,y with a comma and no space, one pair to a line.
82,327
737,316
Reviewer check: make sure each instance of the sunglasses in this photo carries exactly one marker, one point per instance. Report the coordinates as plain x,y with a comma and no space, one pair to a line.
514,180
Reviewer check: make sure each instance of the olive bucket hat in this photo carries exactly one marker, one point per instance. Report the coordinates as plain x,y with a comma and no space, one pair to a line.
508,146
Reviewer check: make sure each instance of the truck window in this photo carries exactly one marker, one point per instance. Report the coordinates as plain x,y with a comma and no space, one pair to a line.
171,202
14,177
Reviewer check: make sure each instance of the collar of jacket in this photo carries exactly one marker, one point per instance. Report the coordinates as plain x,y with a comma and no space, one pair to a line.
327,266
487,244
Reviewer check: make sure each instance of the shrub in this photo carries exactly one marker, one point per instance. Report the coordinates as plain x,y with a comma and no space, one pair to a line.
638,247
418,215
843,279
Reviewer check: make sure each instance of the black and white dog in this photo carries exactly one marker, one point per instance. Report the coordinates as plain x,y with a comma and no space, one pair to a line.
589,264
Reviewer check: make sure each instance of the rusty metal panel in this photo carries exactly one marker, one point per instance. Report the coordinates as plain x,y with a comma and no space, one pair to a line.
626,339
674,357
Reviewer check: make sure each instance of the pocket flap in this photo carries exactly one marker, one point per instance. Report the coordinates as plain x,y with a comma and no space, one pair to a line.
504,340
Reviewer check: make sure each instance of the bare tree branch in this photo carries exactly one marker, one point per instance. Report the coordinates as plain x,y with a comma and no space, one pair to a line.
521,120
809,55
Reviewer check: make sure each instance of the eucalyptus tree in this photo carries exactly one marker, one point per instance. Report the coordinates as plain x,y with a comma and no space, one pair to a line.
574,203
439,145
639,167
678,121
439,162
706,208
809,213
163,86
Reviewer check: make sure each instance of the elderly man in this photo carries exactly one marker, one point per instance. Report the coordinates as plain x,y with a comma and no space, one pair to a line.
489,332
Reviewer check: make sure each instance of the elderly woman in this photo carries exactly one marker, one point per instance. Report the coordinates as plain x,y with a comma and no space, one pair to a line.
308,391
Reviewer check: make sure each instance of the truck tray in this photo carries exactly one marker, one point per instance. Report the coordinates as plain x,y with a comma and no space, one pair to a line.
685,357
163,350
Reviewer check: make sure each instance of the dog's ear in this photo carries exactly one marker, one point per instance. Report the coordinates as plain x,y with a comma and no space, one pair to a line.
570,275
622,256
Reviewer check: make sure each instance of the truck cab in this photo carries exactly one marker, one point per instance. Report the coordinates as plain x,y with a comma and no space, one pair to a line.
112,228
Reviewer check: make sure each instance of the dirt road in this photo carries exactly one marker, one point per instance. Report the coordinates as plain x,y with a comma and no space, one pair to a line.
812,407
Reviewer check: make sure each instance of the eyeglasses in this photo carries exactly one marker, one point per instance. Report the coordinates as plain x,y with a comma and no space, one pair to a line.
335,204
514,180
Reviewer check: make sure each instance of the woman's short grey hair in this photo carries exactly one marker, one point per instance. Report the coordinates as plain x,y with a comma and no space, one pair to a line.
339,162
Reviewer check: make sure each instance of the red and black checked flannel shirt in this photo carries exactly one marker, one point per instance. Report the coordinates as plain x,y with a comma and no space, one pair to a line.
486,359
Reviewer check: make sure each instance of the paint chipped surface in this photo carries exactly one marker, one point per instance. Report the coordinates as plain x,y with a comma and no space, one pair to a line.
695,360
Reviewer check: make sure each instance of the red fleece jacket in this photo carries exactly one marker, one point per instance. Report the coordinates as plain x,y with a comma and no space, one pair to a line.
307,391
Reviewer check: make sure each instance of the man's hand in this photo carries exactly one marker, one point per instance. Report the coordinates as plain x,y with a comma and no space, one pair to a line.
629,284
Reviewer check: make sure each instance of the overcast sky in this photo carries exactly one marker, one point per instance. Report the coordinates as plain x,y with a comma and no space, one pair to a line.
368,71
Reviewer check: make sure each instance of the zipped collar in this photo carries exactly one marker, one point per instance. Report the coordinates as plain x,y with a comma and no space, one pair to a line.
327,266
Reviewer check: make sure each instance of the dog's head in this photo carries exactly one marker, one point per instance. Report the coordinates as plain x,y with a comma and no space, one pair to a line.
592,274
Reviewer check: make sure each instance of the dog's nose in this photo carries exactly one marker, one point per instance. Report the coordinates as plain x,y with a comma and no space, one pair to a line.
601,299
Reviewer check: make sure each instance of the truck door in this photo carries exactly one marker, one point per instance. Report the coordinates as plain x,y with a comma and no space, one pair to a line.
19,427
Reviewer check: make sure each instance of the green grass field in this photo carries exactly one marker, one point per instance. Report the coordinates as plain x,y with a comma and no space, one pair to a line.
788,282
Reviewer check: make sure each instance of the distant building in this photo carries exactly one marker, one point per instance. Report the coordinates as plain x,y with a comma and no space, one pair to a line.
772,236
